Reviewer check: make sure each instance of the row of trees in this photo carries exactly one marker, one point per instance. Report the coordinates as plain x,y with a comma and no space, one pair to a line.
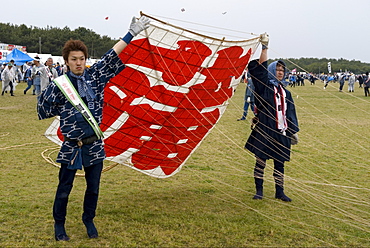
52,40
317,66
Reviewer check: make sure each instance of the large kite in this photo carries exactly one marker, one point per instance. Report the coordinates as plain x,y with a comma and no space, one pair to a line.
174,89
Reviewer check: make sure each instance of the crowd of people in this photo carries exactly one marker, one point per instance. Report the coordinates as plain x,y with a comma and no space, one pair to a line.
298,79
363,80
34,73
39,74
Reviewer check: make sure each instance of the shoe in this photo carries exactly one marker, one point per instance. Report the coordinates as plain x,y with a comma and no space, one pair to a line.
60,232
93,236
91,229
24,92
241,119
259,190
257,197
283,197
62,237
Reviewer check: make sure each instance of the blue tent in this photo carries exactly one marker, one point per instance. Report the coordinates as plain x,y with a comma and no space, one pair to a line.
19,57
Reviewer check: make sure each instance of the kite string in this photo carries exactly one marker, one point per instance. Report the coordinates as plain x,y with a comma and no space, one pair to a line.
263,101
208,26
237,201
312,163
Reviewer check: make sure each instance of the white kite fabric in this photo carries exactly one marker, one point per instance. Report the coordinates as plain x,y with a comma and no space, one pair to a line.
174,89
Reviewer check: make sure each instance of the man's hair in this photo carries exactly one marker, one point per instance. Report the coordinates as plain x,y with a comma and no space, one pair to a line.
73,45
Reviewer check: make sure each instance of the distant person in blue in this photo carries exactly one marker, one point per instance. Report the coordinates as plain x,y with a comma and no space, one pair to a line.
248,97
327,80
293,80
59,69
275,126
28,78
80,139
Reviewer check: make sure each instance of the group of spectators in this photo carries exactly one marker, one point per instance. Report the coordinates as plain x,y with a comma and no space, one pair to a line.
342,78
350,78
33,73
296,79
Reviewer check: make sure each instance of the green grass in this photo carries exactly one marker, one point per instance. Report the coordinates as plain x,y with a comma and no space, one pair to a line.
209,203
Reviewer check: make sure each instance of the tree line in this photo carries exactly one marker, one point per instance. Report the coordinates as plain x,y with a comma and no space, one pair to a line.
317,66
52,40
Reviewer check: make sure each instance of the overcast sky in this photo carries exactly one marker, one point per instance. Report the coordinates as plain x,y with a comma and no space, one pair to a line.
297,28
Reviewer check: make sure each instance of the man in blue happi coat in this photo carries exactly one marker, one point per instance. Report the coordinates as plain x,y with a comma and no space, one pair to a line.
82,146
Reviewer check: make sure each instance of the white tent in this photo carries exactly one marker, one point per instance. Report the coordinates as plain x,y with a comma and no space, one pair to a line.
45,56
56,59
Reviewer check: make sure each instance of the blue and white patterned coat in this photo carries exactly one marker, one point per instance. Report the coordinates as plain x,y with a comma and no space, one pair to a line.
73,125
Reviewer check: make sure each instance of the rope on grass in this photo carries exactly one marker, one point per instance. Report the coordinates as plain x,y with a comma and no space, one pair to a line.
4,134
51,151
16,146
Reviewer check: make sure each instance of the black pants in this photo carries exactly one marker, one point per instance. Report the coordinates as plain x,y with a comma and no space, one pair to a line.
11,88
366,89
278,172
66,178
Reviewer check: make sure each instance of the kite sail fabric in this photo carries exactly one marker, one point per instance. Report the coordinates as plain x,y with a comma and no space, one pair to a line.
174,89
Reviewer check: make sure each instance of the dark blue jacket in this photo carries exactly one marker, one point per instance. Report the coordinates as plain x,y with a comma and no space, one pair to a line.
265,140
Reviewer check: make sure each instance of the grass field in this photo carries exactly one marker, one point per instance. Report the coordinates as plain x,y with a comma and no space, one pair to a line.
209,203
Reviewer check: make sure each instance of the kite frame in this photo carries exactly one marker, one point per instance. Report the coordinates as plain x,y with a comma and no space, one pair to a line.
192,32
